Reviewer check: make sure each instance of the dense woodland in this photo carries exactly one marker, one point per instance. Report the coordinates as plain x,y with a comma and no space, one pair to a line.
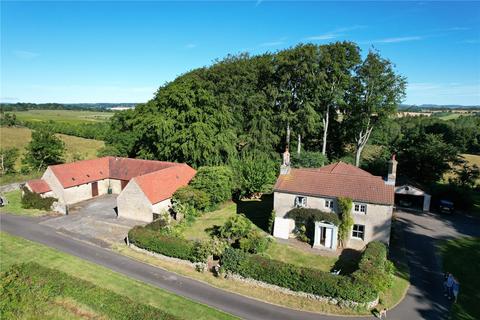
323,102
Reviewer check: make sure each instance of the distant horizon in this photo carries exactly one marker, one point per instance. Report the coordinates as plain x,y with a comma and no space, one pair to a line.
124,51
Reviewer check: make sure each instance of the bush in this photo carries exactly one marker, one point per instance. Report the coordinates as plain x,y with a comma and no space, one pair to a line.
167,245
254,242
217,182
29,290
188,195
374,269
295,278
235,228
32,200
307,215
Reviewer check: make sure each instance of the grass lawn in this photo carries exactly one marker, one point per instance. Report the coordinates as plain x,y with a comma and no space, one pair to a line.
14,205
199,229
461,257
71,116
17,250
75,147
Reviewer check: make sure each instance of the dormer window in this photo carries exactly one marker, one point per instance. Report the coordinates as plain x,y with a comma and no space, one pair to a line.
300,202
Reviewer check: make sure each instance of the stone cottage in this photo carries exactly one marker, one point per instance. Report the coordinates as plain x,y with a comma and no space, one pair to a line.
320,188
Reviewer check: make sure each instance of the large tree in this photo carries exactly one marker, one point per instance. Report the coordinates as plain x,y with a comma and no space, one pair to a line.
43,150
374,95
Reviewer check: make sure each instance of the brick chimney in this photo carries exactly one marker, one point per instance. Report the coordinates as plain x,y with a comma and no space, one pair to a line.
285,167
392,171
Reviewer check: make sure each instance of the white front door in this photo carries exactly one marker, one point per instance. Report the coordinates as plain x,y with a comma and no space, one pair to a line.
328,237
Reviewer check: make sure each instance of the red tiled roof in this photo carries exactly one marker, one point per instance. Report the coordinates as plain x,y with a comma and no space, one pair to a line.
38,186
337,180
160,185
86,171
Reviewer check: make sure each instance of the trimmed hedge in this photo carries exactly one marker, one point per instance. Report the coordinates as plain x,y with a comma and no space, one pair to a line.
29,289
296,278
170,246
374,275
307,215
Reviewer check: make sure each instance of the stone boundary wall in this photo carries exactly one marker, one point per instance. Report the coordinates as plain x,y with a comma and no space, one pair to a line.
330,300
11,187
236,277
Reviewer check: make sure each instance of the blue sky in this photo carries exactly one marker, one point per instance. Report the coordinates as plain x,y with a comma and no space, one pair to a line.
123,51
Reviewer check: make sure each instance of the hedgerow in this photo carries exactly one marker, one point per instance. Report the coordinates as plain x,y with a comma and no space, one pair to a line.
373,276
168,245
29,289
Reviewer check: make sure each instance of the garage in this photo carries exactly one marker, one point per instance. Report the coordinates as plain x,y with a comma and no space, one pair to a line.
412,197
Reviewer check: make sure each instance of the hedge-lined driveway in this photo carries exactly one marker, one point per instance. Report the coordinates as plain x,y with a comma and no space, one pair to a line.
424,299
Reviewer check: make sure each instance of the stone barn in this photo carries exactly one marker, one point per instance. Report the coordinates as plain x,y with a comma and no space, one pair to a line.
74,182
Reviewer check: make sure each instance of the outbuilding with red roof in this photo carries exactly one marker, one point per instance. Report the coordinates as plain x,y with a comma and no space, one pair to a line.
152,184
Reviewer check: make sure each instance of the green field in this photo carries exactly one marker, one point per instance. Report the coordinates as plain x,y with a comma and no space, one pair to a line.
71,116
461,257
16,250
14,205
75,148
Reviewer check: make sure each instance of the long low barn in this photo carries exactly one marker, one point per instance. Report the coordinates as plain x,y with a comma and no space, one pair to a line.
145,187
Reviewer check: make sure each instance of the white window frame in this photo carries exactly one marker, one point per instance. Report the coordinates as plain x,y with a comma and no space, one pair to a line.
300,202
329,203
360,208
358,232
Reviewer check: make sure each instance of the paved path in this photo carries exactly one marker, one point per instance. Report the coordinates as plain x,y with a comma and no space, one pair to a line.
424,299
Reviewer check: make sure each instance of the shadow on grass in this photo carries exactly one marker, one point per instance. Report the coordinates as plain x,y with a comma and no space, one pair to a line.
258,211
348,261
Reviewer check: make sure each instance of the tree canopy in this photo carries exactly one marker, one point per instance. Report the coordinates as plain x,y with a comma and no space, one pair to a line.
248,106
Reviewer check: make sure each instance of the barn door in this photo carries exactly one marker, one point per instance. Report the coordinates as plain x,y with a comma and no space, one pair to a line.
94,189
124,183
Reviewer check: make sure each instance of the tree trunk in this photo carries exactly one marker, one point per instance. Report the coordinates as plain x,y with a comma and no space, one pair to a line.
288,135
325,120
299,146
361,140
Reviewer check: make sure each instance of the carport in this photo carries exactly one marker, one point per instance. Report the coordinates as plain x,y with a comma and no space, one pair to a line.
417,197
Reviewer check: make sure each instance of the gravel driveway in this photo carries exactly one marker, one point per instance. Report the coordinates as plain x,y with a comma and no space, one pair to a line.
94,220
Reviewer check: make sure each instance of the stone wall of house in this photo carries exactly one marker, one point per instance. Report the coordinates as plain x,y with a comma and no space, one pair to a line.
116,186
84,191
133,204
377,219
162,206
57,188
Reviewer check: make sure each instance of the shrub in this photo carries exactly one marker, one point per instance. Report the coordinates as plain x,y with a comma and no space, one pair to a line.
29,290
188,195
217,182
254,242
346,220
306,215
32,200
235,228
217,246
167,245
295,278
271,221
374,269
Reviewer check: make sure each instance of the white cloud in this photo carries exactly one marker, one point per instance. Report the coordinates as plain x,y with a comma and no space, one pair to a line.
272,44
326,36
190,45
22,54
398,39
